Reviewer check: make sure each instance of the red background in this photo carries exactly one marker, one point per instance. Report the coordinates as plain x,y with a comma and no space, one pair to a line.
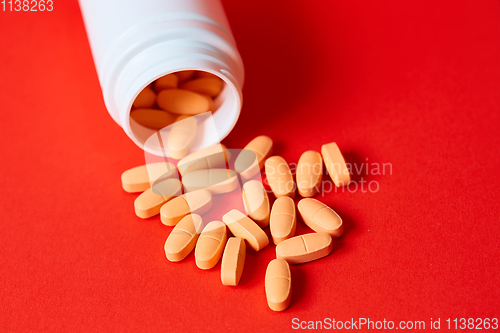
411,83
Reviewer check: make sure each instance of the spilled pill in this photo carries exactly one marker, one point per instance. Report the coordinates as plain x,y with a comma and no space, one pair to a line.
197,202
183,237
169,81
256,202
278,284
211,86
149,202
251,159
243,227
180,101
283,220
309,173
216,181
335,164
181,137
279,177
304,248
320,218
233,261
210,245
139,179
153,118
145,99
212,157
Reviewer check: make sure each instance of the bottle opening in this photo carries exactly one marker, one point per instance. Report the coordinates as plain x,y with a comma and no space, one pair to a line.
180,95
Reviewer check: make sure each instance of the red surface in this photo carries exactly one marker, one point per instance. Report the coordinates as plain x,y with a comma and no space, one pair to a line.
411,83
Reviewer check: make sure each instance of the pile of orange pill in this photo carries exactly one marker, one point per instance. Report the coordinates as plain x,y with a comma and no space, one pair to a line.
182,202
174,96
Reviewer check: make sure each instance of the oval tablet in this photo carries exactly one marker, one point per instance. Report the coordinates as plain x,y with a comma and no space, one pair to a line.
304,248
256,202
169,81
197,202
149,202
279,177
243,227
210,245
180,101
211,86
335,164
216,181
309,173
181,137
153,118
212,157
185,75
205,74
278,284
145,99
183,237
140,178
181,117
233,261
320,218
251,159
283,221
210,101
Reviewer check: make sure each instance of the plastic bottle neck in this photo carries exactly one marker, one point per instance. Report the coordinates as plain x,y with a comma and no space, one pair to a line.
135,72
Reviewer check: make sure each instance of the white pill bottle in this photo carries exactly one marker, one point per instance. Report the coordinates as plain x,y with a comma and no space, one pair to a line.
134,42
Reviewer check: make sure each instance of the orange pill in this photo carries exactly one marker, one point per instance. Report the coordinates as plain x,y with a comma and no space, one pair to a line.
278,284
181,137
197,202
183,237
217,181
182,117
212,157
233,261
320,218
211,86
243,227
210,101
309,173
335,164
153,118
149,202
145,99
140,178
181,102
283,221
304,248
256,202
205,74
210,245
169,81
185,75
251,159
279,177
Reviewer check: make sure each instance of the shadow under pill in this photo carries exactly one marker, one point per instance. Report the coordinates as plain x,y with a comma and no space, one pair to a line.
299,283
361,168
347,221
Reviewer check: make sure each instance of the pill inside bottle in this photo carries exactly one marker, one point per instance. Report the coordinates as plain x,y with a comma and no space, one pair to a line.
186,92
179,95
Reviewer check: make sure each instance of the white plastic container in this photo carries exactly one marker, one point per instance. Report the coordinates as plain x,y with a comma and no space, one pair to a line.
134,42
